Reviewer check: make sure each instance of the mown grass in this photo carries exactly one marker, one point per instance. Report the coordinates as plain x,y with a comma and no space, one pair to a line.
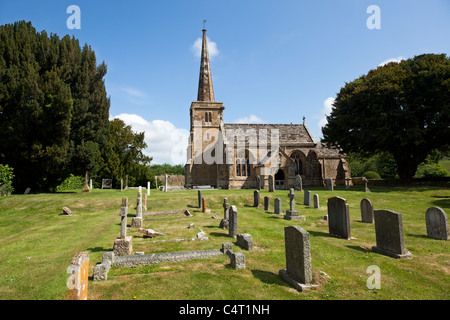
37,245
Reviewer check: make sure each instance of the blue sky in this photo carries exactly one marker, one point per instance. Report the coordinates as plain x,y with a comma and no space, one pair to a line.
272,61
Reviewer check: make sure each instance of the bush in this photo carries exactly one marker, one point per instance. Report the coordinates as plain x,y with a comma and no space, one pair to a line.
72,182
429,170
371,175
6,177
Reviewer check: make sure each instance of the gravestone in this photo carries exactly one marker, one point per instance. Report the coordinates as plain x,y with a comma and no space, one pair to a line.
389,234
123,245
298,186
347,183
144,202
126,182
204,205
307,198
316,201
226,213
79,274
148,188
256,199
166,183
156,187
106,183
266,203
237,260
329,184
27,191
338,218
277,206
136,222
437,223
298,272
86,186
366,188
199,195
292,214
245,241
233,222
258,182
121,184
271,184
366,210
66,211
90,184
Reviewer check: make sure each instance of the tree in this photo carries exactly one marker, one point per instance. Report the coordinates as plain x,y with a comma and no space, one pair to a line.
400,108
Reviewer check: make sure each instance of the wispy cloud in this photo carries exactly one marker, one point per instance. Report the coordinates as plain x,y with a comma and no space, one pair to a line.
326,110
250,119
398,59
166,143
135,96
196,48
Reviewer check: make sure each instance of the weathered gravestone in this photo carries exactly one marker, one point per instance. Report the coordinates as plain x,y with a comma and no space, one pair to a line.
338,218
329,184
106,183
307,198
366,210
237,260
67,211
233,223
277,206
366,188
27,191
298,272
245,241
389,234
292,214
78,280
166,183
258,182
136,222
298,186
256,199
437,223
199,195
123,245
226,214
316,201
266,203
271,184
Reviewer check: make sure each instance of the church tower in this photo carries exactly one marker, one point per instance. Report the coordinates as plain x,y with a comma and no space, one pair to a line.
205,128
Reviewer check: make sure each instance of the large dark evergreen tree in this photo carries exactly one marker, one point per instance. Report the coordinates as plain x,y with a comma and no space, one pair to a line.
400,108
53,107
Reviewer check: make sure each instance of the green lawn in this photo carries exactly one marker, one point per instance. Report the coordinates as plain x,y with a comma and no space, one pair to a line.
37,245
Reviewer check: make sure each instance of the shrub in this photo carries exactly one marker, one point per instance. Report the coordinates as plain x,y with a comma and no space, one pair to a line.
72,182
371,175
6,177
428,170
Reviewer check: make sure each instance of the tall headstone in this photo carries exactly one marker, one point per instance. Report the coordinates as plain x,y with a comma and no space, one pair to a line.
256,199
90,184
123,245
437,223
79,274
366,210
266,203
316,201
199,195
156,185
329,184
121,184
226,214
298,272
389,234
338,218
166,182
277,206
271,184
144,202
126,182
298,186
233,223
148,188
136,222
347,183
203,205
292,214
258,182
307,198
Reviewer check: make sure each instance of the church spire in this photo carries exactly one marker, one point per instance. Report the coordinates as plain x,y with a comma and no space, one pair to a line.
205,86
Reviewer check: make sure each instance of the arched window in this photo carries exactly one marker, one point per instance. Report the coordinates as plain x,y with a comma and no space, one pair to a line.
243,165
297,163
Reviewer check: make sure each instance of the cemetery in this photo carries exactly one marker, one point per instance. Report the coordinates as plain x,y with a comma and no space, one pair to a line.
224,244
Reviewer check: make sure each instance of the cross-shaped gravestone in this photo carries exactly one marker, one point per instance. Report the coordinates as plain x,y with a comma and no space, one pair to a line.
292,214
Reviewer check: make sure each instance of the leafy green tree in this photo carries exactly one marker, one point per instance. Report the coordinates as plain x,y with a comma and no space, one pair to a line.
6,178
400,108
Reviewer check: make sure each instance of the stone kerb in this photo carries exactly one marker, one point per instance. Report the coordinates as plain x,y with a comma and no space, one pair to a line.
389,234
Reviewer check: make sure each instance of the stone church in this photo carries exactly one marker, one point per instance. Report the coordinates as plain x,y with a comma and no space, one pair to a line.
233,156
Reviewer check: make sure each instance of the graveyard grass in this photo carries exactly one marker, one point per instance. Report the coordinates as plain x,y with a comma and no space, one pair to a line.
37,245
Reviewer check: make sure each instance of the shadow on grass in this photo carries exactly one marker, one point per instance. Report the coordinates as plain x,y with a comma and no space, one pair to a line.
268,277
442,203
358,248
319,234
99,249
421,236
217,234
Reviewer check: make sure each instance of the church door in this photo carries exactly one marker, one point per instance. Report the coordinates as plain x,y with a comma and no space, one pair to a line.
279,180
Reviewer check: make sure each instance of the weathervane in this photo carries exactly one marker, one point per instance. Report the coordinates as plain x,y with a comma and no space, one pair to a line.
204,24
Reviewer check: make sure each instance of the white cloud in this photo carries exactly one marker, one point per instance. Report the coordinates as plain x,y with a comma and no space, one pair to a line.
166,143
134,92
326,110
250,119
196,48
398,59
135,96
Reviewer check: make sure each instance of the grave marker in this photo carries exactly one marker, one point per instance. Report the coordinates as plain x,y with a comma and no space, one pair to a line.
233,222
266,203
307,198
292,214
298,186
338,218
277,206
329,184
437,223
316,201
256,199
78,280
271,184
366,210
